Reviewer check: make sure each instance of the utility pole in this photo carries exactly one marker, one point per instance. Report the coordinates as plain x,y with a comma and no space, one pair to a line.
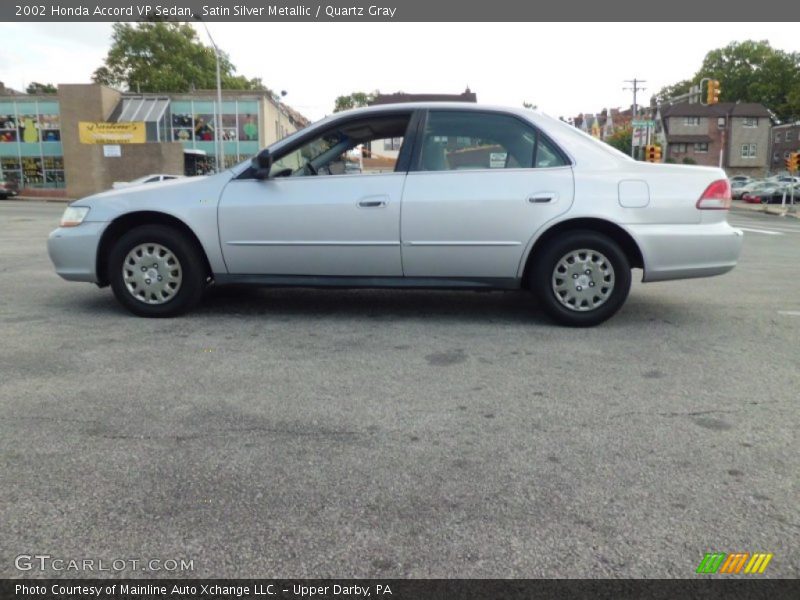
634,88
220,145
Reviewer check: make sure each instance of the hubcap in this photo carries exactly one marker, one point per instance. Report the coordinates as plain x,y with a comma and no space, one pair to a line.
583,279
152,273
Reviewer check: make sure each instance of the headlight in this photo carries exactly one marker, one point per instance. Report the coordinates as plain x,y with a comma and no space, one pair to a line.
74,216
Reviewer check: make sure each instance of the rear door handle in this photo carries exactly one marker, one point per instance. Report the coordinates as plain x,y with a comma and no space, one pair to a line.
541,198
373,202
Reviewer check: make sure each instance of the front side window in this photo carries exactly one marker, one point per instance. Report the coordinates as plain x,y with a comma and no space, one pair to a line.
467,140
367,145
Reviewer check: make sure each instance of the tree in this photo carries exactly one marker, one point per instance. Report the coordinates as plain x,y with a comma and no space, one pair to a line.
354,100
750,71
529,105
34,87
621,139
161,56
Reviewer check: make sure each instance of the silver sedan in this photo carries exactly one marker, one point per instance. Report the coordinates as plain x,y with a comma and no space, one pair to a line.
431,195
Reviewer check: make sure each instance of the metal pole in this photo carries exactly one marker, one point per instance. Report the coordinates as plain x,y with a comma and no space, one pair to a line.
221,147
635,87
218,116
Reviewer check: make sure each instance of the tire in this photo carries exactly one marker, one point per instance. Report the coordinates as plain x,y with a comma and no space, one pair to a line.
169,286
581,299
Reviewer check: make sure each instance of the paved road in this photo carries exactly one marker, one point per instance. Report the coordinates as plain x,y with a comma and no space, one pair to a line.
295,433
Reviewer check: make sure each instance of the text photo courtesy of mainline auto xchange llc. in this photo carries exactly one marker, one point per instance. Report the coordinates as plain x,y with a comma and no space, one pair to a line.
399,301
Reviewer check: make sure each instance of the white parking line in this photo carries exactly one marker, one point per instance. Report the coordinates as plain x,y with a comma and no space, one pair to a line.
791,313
764,231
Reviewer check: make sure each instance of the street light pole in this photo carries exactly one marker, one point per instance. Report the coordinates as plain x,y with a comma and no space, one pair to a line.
218,116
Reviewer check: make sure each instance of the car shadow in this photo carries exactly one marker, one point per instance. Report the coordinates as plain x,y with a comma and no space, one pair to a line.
386,304
461,306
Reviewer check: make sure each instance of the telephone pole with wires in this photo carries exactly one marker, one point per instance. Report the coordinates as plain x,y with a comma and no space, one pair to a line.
635,87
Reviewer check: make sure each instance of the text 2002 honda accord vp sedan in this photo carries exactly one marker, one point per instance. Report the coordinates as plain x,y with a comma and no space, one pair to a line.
414,195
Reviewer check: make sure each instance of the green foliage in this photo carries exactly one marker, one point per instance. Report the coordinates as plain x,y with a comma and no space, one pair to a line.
670,160
34,87
161,56
354,100
688,160
750,71
621,140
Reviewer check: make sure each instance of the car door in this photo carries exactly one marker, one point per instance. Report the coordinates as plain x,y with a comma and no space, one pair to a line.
480,185
324,211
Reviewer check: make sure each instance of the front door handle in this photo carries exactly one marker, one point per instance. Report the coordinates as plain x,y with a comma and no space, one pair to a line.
541,199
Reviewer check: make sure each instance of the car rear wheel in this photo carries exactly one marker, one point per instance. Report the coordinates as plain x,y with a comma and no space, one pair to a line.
581,278
156,271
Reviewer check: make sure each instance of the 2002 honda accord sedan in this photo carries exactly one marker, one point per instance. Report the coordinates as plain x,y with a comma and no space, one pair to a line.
433,195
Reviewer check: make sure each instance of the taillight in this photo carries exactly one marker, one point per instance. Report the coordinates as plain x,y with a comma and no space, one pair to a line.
716,197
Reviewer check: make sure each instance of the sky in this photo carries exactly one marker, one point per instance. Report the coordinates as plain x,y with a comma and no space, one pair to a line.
563,68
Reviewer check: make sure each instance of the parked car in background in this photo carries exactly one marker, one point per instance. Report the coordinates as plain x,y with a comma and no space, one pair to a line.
8,188
740,179
737,187
765,193
478,198
155,178
740,191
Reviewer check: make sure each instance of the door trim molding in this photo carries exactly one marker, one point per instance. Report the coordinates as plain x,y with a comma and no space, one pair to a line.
308,243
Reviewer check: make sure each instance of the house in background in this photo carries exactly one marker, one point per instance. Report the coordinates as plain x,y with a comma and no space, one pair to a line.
785,140
735,136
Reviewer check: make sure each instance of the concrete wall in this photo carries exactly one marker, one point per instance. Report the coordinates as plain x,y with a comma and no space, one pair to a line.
87,171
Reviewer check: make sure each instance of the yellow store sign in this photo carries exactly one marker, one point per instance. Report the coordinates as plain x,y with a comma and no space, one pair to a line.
93,132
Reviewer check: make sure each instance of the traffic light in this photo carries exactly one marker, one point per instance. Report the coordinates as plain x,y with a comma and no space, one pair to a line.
652,153
713,91
793,162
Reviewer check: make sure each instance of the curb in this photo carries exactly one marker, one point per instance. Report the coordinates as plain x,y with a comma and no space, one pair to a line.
767,209
41,199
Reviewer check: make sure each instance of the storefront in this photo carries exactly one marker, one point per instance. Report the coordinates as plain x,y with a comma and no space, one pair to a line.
34,154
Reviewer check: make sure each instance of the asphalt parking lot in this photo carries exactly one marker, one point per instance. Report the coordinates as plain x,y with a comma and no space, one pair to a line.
307,433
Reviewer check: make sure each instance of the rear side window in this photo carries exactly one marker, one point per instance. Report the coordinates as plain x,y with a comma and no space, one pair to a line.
467,140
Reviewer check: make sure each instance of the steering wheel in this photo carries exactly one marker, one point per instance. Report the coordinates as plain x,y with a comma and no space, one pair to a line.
311,168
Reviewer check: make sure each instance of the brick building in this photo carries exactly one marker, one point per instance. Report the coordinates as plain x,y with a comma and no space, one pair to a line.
785,140
738,132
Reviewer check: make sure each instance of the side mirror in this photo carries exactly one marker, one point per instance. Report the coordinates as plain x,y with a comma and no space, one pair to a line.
261,165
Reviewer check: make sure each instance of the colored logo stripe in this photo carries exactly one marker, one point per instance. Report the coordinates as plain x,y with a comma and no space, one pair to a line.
711,562
734,562
758,563
721,562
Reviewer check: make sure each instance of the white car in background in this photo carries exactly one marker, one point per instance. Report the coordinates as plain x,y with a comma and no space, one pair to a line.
154,178
476,197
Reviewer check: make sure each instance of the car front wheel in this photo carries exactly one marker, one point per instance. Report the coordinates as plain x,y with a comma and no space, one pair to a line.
581,278
156,271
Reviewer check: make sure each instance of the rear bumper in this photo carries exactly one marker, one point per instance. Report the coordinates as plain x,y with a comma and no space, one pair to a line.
73,251
685,251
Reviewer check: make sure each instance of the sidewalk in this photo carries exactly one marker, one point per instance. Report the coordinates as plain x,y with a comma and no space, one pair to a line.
770,209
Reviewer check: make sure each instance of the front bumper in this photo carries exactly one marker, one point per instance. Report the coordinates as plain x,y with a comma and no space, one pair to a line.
685,251
73,251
